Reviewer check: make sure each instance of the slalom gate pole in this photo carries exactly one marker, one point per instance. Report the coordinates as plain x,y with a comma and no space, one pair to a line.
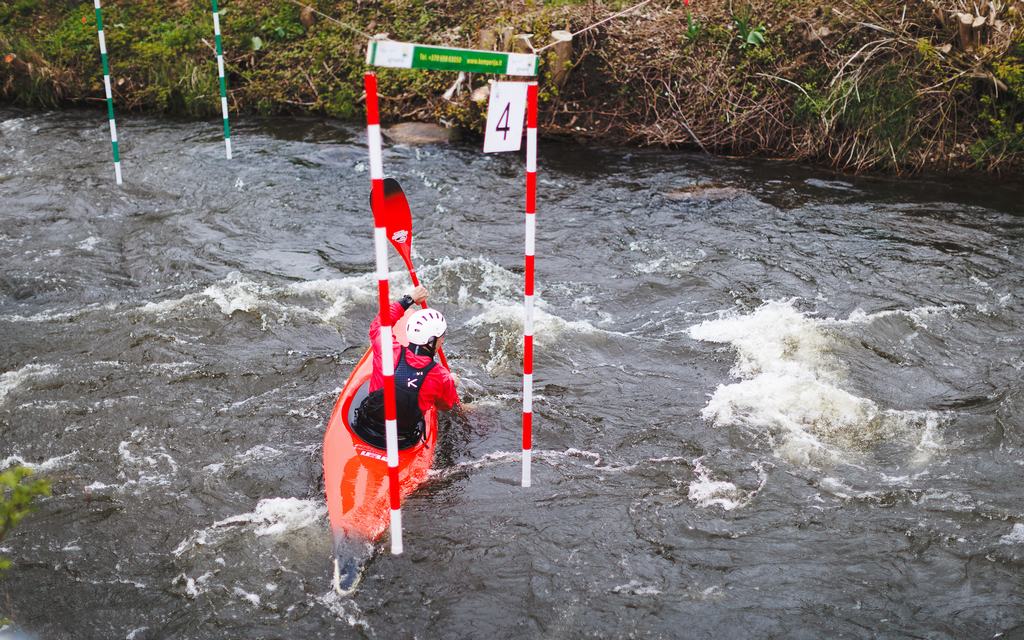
110,94
380,245
223,83
531,226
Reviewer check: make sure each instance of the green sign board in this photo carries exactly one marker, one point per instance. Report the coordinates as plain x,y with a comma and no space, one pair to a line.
406,55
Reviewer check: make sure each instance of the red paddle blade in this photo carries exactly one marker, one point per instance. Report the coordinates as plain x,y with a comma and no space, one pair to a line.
398,219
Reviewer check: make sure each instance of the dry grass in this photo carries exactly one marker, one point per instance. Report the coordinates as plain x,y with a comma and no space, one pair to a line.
879,86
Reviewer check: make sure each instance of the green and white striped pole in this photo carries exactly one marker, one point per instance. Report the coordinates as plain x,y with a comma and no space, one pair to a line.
223,83
110,95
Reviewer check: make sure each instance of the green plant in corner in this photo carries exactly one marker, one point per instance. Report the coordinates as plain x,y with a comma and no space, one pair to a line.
16,500
15,503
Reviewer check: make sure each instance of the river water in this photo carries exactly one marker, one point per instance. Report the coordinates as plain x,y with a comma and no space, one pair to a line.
771,402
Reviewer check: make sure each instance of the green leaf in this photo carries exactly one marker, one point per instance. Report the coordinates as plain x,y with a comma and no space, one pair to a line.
16,496
257,43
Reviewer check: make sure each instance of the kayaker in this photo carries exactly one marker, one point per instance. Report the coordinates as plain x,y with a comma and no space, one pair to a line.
420,382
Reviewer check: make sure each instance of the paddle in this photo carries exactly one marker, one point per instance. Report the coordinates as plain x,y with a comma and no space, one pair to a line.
398,222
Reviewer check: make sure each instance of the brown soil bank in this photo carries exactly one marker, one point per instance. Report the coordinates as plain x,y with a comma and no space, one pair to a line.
932,85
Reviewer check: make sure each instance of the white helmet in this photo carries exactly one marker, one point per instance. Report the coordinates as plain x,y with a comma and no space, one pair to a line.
425,325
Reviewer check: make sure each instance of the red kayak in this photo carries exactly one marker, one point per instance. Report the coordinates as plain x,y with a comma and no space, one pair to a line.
356,474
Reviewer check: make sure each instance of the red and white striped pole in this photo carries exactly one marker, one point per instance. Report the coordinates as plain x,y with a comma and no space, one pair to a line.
380,245
531,210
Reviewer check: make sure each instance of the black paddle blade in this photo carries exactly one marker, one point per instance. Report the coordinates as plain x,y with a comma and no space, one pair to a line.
392,188
392,193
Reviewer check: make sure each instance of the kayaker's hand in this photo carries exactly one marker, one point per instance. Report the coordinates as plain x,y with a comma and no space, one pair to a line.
463,409
419,294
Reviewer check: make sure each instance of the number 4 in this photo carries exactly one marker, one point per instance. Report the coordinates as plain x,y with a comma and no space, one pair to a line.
503,120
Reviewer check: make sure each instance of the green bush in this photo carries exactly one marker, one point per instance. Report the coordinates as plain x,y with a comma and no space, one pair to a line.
1004,114
16,498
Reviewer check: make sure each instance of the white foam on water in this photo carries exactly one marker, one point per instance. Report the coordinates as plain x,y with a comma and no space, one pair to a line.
164,307
151,462
840,489
89,244
257,453
11,380
314,300
706,492
173,368
506,346
272,517
931,442
476,280
135,632
481,281
710,493
1016,536
666,265
12,124
60,316
636,588
126,454
665,259
899,481
505,399
277,516
790,388
237,293
956,501
547,327
251,598
341,294
455,281
345,608
837,185
918,315
502,457
194,587
589,459
46,465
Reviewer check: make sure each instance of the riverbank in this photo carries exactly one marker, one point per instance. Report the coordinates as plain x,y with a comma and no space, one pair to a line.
885,86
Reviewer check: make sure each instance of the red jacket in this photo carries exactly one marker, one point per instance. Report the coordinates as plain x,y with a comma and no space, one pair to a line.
438,387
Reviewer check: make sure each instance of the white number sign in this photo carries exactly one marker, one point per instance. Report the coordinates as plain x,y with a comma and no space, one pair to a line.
505,113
